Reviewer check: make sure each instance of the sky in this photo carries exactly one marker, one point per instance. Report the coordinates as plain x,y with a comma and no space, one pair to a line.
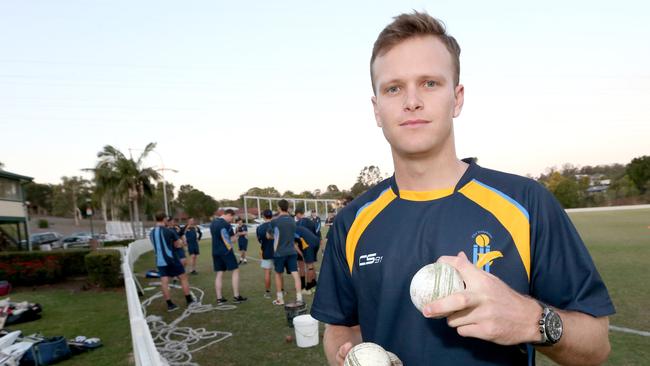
277,93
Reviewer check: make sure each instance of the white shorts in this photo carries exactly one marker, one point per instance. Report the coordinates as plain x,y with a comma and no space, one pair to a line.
266,263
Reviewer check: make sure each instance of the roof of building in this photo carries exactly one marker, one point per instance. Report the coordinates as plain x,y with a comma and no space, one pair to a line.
6,174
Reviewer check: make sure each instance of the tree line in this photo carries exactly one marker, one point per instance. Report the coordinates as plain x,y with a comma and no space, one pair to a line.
123,188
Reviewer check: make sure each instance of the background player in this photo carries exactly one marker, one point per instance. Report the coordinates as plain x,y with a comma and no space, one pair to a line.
223,258
267,251
192,236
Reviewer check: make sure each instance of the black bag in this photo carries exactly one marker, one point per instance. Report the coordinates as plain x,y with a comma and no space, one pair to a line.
33,312
47,352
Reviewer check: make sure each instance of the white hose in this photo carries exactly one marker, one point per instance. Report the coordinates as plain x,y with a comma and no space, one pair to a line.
174,342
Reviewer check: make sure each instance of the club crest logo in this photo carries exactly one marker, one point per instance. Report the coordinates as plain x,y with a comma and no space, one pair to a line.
482,255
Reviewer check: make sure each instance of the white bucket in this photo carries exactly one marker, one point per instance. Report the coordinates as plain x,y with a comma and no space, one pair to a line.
306,331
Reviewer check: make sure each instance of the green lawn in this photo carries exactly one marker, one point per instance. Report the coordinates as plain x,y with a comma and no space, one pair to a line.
619,242
93,313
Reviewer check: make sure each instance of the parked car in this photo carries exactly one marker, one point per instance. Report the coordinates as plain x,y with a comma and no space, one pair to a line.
74,241
52,238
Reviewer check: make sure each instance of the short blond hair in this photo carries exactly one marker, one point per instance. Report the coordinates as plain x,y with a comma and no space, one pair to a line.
417,24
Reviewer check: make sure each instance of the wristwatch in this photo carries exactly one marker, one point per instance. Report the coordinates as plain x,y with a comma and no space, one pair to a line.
550,326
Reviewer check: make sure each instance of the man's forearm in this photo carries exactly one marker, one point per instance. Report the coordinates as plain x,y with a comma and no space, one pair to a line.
335,336
585,340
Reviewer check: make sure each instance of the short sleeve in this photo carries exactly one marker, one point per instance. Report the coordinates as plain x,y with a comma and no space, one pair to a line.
336,300
563,273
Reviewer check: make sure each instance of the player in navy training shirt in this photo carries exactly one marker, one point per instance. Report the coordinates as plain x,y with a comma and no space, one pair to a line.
305,222
223,258
164,242
192,236
242,240
308,244
530,282
266,250
283,230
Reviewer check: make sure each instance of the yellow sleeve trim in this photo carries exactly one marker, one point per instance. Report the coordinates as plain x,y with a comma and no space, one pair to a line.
507,213
361,222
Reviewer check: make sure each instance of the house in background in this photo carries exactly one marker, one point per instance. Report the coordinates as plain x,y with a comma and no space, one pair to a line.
13,215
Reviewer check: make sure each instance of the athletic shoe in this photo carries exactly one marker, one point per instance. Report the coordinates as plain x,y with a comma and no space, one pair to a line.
239,299
171,307
194,273
222,301
245,261
278,302
267,295
240,261
306,292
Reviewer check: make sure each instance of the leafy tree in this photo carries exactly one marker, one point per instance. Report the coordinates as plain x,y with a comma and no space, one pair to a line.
639,172
332,188
39,197
567,193
69,196
156,203
370,176
196,203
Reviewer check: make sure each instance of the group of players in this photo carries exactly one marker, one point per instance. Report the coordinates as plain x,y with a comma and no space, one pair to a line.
288,243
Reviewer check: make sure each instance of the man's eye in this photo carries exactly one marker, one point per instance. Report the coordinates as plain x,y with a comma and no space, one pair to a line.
392,90
429,83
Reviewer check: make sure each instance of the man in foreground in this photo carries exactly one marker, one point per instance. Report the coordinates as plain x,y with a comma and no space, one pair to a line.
530,282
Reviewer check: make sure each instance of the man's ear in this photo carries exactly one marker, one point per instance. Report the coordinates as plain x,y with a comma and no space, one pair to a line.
375,108
459,92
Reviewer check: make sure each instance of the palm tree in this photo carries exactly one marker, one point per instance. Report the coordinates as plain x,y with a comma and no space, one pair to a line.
127,177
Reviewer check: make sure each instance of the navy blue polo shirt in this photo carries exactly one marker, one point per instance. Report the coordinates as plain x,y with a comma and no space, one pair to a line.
507,225
163,240
283,229
306,238
266,243
221,232
193,235
307,223
244,238
317,226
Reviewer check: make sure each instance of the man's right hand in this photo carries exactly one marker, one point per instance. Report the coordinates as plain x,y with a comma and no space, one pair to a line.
343,351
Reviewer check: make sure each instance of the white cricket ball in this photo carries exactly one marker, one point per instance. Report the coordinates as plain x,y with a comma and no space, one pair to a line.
394,360
367,354
434,281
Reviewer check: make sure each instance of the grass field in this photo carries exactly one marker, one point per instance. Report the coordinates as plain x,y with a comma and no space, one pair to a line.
619,242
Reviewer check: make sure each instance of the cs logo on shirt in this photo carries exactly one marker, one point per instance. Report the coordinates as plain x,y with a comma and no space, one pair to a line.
482,256
368,259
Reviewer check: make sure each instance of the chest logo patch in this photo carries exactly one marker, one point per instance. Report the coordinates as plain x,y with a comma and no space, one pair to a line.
368,259
482,255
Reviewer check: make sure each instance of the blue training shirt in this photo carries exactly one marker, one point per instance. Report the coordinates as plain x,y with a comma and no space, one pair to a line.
193,235
266,243
163,240
220,229
306,238
507,225
283,229
244,238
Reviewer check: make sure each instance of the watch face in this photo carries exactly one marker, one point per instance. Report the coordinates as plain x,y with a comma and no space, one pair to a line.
554,327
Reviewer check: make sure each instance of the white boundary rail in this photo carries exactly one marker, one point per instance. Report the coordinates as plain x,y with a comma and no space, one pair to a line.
144,350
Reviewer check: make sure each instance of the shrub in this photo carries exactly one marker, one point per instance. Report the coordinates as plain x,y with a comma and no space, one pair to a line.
36,268
103,267
118,243
73,262
43,224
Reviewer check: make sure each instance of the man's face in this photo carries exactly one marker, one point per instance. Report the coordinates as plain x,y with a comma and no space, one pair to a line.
190,222
313,215
416,99
228,218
